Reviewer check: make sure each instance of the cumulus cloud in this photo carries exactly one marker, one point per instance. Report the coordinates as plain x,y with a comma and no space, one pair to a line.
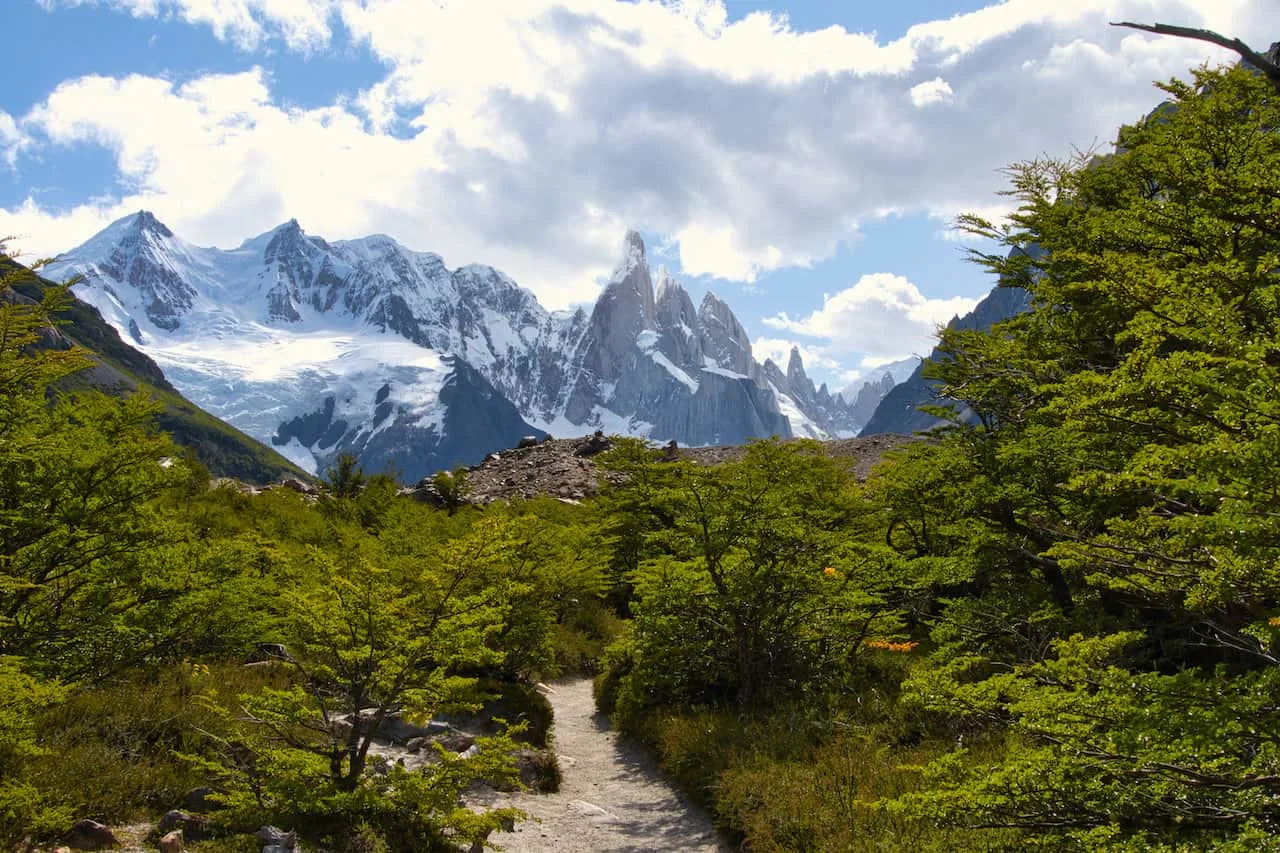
882,315
779,350
752,145
934,91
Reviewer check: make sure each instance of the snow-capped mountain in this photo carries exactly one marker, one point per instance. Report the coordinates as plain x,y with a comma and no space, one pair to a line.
862,398
365,345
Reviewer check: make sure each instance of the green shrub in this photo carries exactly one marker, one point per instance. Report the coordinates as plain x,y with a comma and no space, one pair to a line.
616,664
829,801
580,639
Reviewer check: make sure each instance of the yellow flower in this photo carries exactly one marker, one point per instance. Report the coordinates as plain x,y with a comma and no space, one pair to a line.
830,572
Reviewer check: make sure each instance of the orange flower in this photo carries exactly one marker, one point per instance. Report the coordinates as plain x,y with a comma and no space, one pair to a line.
1274,621
889,646
830,572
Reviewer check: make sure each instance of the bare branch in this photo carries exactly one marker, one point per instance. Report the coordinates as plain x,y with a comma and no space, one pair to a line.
1257,60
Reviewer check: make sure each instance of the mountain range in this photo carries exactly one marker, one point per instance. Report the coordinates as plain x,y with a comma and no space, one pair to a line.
320,347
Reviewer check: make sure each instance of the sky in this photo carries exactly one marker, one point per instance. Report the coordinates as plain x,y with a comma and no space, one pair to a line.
803,159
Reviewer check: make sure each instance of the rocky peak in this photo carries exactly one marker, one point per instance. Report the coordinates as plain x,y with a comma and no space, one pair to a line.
723,337
677,321
624,310
286,240
628,300
775,377
146,223
795,368
633,255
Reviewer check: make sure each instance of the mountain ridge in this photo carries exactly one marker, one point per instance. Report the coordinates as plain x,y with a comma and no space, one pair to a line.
267,332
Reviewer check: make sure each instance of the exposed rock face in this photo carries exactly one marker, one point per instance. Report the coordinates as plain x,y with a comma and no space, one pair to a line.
869,397
134,260
471,419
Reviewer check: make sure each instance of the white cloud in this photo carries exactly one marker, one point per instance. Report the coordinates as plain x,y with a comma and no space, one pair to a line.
779,350
934,91
302,24
752,145
883,316
12,139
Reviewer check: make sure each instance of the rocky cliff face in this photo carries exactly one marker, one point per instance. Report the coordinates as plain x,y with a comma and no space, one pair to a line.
648,361
289,329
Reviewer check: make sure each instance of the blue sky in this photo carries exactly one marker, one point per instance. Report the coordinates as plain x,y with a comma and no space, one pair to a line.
803,159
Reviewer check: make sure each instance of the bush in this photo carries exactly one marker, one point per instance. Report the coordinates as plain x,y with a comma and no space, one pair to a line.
579,640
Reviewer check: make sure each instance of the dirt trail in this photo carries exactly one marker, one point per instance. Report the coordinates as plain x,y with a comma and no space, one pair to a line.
612,798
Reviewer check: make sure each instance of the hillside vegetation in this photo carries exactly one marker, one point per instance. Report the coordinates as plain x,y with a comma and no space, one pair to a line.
120,370
1053,626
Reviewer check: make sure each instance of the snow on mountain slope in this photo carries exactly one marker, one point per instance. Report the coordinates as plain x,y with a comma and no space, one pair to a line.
288,331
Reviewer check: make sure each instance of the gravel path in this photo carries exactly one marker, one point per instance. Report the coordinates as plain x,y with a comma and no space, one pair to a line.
612,799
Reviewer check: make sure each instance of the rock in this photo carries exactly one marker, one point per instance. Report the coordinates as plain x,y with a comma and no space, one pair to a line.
527,441
396,729
593,445
456,741
173,819
193,828
276,840
591,810
171,842
91,835
197,800
269,651
298,486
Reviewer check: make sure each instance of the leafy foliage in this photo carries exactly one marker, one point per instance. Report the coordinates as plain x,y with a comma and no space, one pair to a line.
751,585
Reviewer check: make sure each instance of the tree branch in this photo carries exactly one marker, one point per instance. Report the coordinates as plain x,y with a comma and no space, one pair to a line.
1264,64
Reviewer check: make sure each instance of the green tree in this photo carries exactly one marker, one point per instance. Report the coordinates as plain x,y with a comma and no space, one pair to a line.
79,472
753,586
377,630
1120,487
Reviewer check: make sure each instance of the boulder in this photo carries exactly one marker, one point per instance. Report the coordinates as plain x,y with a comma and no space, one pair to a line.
91,835
198,800
268,651
192,827
527,441
456,741
298,486
174,819
450,738
597,443
396,729
276,840
171,842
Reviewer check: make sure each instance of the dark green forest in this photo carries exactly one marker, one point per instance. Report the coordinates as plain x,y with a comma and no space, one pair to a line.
1052,624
